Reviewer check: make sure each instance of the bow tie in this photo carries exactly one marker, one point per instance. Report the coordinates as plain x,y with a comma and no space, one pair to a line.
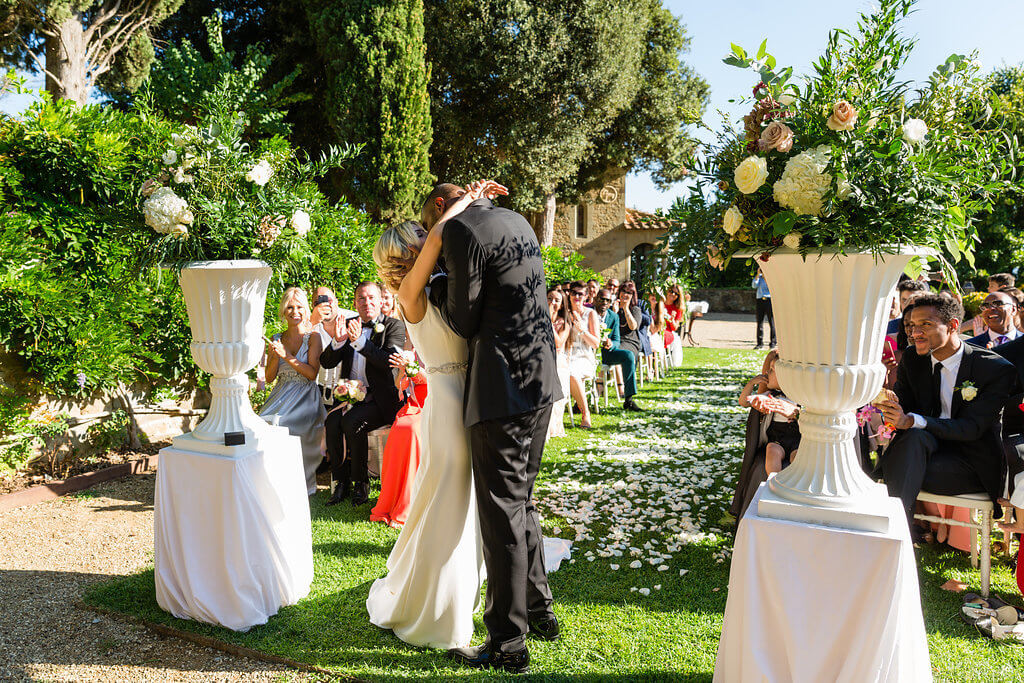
369,324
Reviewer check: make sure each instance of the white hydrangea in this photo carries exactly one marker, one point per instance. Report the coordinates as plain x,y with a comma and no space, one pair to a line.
260,173
169,158
165,211
301,222
914,131
804,182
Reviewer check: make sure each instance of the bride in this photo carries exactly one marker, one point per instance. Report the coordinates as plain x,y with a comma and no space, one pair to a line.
435,569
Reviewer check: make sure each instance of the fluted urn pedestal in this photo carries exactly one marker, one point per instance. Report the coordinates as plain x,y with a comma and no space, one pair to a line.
232,533
830,315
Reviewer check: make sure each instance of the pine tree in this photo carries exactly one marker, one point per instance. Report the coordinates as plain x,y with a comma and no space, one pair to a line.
376,73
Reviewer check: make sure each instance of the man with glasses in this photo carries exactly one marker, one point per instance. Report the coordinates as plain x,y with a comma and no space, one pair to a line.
999,311
611,352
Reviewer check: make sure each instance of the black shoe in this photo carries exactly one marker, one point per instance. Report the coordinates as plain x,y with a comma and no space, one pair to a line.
341,492
758,346
360,494
630,404
545,628
324,466
483,657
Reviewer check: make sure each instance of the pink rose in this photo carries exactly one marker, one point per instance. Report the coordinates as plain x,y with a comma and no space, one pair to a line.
777,136
844,116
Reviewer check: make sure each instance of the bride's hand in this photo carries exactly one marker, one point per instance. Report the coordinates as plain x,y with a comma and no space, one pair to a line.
486,188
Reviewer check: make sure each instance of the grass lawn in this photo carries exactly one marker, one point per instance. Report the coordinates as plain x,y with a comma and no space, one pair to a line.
644,499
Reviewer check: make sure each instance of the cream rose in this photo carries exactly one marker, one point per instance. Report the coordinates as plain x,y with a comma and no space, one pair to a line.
169,158
777,136
844,116
300,222
914,131
260,173
751,174
732,221
792,240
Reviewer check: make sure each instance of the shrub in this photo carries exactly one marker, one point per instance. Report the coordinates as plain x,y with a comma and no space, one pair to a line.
559,267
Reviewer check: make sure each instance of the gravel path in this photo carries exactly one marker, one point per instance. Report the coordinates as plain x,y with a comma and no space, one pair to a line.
49,554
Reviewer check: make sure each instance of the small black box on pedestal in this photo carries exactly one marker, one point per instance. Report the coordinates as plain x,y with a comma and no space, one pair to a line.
234,438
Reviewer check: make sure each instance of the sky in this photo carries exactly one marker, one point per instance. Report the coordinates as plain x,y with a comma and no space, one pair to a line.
797,31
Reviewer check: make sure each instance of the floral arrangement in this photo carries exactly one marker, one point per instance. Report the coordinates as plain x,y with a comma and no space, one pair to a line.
852,159
214,197
412,366
349,391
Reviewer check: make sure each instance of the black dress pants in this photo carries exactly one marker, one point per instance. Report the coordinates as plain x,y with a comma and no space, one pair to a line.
352,428
506,459
917,461
764,310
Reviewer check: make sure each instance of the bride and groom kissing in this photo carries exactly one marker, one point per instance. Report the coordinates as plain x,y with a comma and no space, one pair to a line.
470,285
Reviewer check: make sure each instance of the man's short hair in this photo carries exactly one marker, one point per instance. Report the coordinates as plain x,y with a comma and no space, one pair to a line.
429,213
912,286
1014,294
946,307
592,280
368,283
1003,279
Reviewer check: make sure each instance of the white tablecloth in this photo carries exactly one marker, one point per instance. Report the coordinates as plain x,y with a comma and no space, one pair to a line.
814,603
233,536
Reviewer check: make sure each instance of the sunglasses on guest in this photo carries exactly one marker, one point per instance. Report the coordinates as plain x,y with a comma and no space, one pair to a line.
606,299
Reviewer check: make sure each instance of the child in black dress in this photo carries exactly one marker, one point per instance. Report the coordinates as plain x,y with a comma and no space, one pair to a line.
780,428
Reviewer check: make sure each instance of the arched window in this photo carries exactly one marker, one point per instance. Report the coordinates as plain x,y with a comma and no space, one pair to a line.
638,260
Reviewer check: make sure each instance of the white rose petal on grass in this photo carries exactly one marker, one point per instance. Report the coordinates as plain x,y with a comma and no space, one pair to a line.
914,131
260,173
632,589
732,221
614,567
682,572
636,564
663,568
645,591
751,174
169,158
657,586
301,224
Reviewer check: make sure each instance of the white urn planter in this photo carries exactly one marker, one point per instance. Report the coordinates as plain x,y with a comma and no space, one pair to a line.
830,315
225,301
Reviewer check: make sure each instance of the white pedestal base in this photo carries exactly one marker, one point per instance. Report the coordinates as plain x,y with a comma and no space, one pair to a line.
812,603
233,539
870,513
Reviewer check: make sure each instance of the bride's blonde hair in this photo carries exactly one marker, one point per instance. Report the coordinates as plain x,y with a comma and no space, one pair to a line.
396,252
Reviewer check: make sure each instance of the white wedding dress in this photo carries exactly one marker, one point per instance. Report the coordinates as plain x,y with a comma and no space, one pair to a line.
435,569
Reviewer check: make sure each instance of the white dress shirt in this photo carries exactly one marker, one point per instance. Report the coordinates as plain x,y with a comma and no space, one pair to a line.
947,383
1010,335
358,370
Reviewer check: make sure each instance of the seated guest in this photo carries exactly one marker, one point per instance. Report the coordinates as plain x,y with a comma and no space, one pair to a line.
645,321
999,311
362,347
630,319
906,290
293,359
325,319
1000,280
584,338
676,309
694,310
779,429
401,456
657,330
948,398
611,351
1013,438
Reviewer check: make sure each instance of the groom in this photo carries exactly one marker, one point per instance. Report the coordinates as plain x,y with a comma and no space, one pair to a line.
496,298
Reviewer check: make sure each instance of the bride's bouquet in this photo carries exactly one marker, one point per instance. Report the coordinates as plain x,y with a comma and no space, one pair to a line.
349,391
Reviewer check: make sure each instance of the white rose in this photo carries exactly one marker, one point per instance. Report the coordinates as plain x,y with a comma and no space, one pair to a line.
914,131
169,158
300,222
969,393
787,98
792,240
378,328
732,221
751,174
260,173
181,177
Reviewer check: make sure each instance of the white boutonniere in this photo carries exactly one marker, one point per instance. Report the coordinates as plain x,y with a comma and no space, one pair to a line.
378,328
968,391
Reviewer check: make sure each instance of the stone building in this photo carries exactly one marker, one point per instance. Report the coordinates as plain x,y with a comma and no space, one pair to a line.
614,240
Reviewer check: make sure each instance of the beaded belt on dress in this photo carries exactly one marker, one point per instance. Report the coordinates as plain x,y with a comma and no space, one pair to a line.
449,368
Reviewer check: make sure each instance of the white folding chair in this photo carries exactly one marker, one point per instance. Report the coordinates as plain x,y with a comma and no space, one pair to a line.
978,503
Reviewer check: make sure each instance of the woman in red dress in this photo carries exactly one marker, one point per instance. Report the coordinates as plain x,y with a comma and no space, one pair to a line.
676,322
401,457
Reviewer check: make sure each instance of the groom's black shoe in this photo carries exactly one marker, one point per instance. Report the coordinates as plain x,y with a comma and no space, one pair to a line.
341,492
360,493
545,628
630,404
483,657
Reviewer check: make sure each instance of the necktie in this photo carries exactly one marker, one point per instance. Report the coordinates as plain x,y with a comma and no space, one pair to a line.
937,390
1001,339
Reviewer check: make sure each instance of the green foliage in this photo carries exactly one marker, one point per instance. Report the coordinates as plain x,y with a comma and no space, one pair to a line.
186,86
559,267
23,437
109,434
377,77
972,303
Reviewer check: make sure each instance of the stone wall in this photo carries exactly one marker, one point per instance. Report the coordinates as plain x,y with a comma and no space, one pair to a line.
726,300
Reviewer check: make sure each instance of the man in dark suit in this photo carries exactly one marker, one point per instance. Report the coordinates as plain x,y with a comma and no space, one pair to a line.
950,395
999,311
1013,433
362,346
496,298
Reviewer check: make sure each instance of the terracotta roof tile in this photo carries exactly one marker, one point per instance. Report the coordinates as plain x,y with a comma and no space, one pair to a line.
641,220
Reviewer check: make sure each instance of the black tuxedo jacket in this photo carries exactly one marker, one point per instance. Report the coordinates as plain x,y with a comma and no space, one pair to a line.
496,297
1013,417
973,426
378,348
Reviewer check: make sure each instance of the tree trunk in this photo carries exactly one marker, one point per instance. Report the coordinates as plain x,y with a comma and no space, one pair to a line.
65,60
134,442
547,234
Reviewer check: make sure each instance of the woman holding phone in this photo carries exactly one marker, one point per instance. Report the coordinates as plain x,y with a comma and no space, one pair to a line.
293,359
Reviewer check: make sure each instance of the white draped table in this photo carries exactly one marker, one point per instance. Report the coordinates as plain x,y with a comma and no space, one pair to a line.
232,534
810,603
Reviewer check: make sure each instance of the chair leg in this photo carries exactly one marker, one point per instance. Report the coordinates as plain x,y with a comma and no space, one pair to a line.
974,541
986,552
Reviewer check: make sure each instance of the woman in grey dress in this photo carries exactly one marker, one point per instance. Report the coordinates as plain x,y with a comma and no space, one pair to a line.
293,358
